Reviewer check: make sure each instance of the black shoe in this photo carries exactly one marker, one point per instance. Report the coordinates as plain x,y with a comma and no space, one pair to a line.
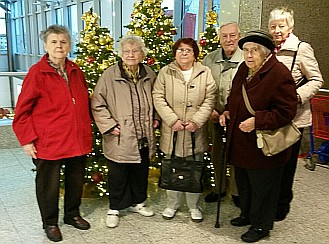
240,221
236,201
254,235
213,197
281,214
78,223
53,233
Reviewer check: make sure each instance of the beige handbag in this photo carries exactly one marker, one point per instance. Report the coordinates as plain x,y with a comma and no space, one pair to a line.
273,141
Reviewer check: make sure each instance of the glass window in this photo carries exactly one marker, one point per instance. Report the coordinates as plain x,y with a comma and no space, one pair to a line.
15,9
168,7
86,6
190,23
59,16
39,28
2,13
48,18
107,14
23,35
17,37
73,25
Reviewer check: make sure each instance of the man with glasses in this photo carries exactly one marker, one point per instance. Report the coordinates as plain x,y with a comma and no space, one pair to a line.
223,63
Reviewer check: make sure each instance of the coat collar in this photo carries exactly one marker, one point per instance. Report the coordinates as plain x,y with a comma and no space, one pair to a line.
236,58
142,71
291,43
198,68
46,67
257,77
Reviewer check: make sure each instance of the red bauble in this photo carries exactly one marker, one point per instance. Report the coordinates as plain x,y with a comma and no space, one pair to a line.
97,177
203,42
90,59
150,61
160,32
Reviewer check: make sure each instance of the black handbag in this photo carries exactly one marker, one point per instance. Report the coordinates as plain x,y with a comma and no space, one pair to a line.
180,173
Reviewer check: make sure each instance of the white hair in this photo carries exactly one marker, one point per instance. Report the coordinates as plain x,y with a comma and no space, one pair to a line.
282,14
132,39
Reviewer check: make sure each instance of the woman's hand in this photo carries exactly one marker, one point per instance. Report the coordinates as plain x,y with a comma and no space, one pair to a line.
248,125
214,117
223,117
116,130
191,126
178,126
156,123
30,150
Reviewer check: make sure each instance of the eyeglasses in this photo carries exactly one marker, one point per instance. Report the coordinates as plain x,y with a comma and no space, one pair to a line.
127,52
187,50
252,51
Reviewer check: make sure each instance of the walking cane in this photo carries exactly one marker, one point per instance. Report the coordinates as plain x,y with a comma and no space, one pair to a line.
222,176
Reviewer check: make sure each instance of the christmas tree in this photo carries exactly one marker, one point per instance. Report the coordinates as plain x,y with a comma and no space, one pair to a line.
149,21
94,55
209,39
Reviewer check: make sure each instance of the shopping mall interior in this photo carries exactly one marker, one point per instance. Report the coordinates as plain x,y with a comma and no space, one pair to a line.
20,47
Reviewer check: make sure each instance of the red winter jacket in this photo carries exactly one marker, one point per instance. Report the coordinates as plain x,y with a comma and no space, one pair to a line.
53,115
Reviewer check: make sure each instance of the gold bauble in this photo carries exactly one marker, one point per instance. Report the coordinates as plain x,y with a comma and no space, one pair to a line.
102,40
139,31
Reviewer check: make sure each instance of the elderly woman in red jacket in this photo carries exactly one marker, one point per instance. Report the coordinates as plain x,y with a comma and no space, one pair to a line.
272,94
52,123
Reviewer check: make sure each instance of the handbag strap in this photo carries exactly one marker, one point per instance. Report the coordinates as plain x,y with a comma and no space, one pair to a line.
174,144
295,55
246,100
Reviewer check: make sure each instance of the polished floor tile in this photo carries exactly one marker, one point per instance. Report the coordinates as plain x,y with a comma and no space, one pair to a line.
20,221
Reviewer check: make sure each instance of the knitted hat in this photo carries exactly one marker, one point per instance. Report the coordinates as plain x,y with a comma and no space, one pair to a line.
258,36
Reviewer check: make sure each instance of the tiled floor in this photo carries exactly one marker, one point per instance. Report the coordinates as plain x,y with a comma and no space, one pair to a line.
20,221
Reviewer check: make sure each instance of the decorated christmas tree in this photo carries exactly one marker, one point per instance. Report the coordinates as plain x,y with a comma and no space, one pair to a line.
209,40
149,21
94,55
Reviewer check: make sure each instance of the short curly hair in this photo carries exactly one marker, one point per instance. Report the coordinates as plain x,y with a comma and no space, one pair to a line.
188,41
55,29
284,14
132,39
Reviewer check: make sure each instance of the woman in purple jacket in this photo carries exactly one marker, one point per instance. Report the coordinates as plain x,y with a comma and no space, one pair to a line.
272,94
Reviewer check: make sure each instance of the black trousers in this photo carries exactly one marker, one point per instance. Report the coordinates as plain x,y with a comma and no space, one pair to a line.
288,175
127,182
47,187
259,193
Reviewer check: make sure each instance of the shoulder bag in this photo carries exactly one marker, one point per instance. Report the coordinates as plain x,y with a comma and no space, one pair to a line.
273,141
302,81
181,173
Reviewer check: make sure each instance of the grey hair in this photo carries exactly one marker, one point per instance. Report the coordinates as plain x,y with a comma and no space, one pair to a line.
264,49
55,29
132,39
282,13
230,23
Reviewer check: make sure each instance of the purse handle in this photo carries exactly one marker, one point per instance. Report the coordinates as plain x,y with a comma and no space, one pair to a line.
175,140
246,100
295,55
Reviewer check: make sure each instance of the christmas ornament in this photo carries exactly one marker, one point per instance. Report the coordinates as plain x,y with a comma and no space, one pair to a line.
139,31
90,60
160,32
173,32
150,61
97,177
203,42
211,18
102,41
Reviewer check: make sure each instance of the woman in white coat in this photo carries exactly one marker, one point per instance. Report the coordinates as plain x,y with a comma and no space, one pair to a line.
306,73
